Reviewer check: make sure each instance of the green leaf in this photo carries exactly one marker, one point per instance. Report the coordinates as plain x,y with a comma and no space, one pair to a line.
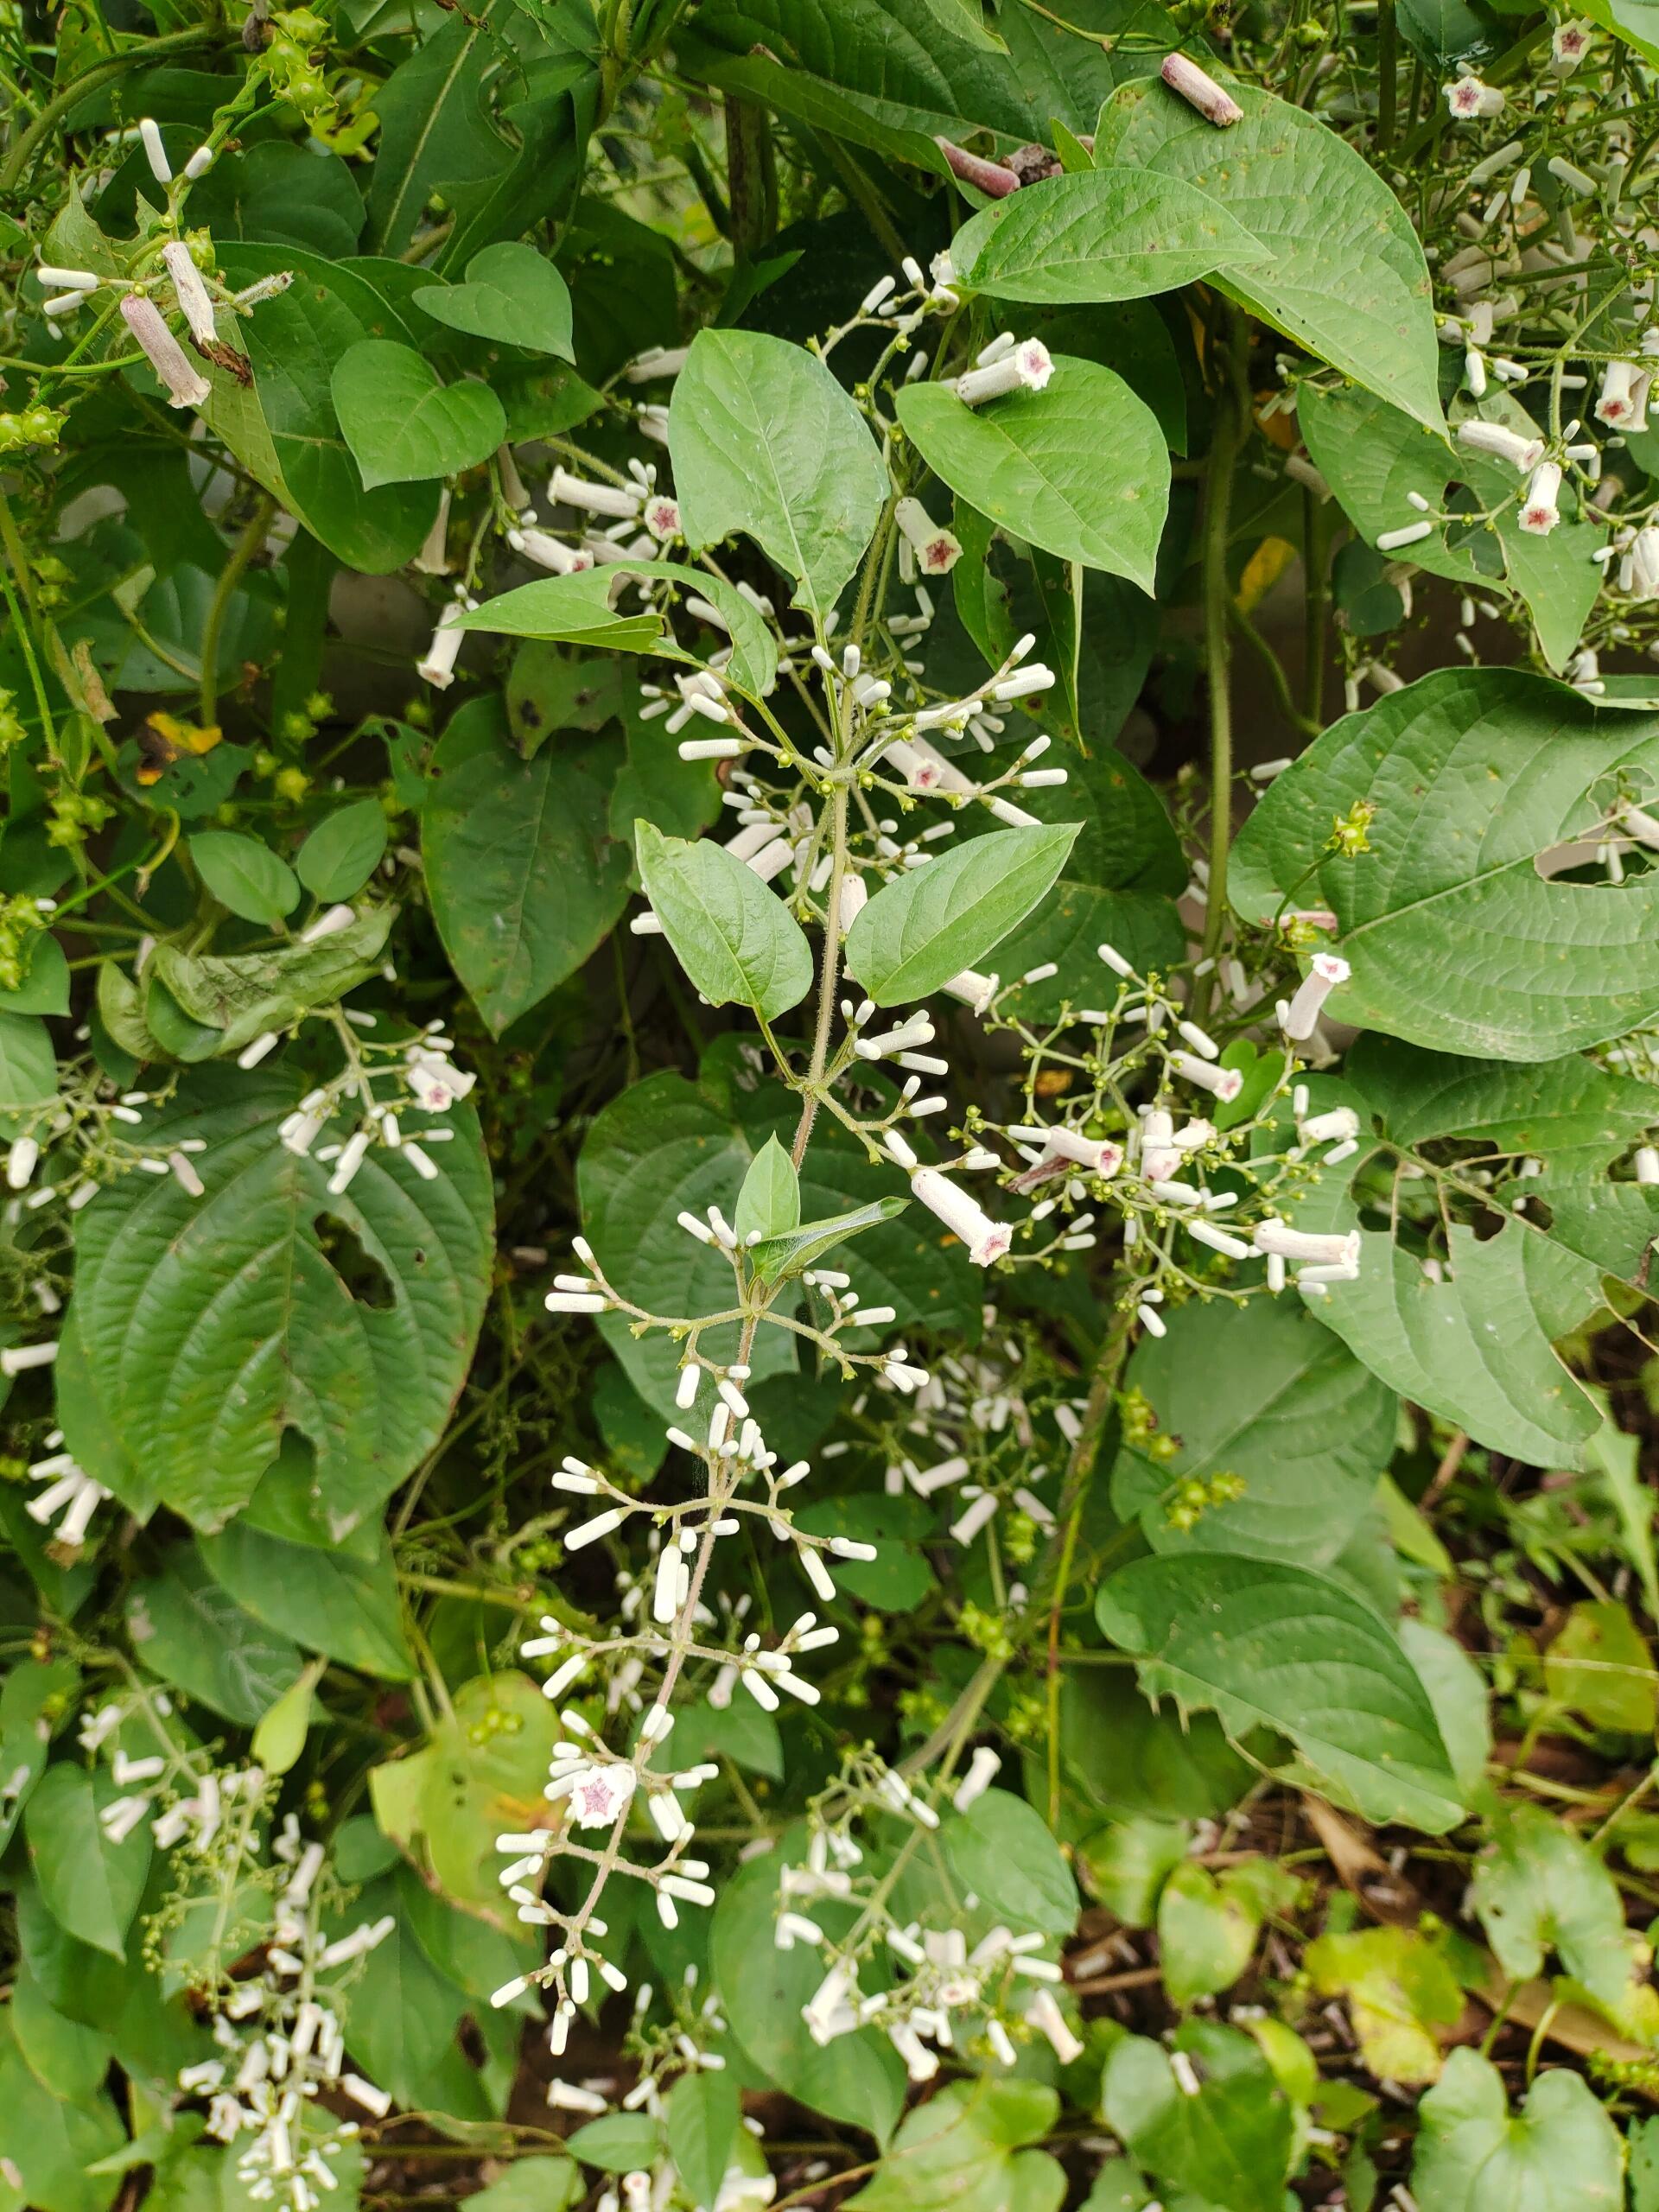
1598,1665
90,1887
618,2142
28,1070
523,877
246,875
52,2145
213,1324
795,1250
1101,234
1000,1848
930,924
769,1203
1456,941
226,1000
1346,277
1399,1988
1560,2153
540,2182
402,423
1374,458
704,2112
1539,1888
45,987
733,935
1080,469
328,1601
279,1735
578,607
1631,20
766,441
284,430
343,851
1551,1106
1229,2145
1266,1393
34,1696
858,2077
1458,1692
65,2057
191,1631
1206,1933
512,295
278,193
1266,1644
899,1578
1126,1863
961,2153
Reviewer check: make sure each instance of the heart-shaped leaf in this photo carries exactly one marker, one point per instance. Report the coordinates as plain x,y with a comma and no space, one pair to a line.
405,426
1101,234
511,295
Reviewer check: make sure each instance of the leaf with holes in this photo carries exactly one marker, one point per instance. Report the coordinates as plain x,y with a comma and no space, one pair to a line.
1455,938
214,1324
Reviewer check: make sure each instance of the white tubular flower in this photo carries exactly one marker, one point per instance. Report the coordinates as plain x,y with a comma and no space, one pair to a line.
594,498
1223,1084
662,516
193,296
436,1084
549,552
1025,367
1639,824
1326,972
975,991
855,897
1334,1128
1100,1155
656,361
1046,2015
599,1795
987,1240
17,1359
1646,1163
1615,403
1539,513
1411,533
439,666
1469,100
186,385
433,559
73,1495
1279,1239
1568,45
329,923
1644,563
983,1770
21,1161
1199,90
154,152
936,549
1522,454
68,280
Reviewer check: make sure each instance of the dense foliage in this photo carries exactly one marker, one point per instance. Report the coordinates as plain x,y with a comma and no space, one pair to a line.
826,1362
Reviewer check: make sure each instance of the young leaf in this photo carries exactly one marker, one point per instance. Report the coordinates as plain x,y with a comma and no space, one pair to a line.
1229,2143
578,607
512,295
1080,469
343,851
90,1885
1455,938
245,875
279,1735
1346,277
961,2152
1539,1888
1266,1644
703,2115
734,936
794,1251
766,441
403,425
1000,1848
1101,234
930,924
769,1203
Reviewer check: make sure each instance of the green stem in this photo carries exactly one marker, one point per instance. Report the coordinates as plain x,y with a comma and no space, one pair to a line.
1316,564
1232,428
1387,64
241,553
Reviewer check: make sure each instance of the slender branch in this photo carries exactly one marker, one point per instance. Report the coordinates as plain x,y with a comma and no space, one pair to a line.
252,538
